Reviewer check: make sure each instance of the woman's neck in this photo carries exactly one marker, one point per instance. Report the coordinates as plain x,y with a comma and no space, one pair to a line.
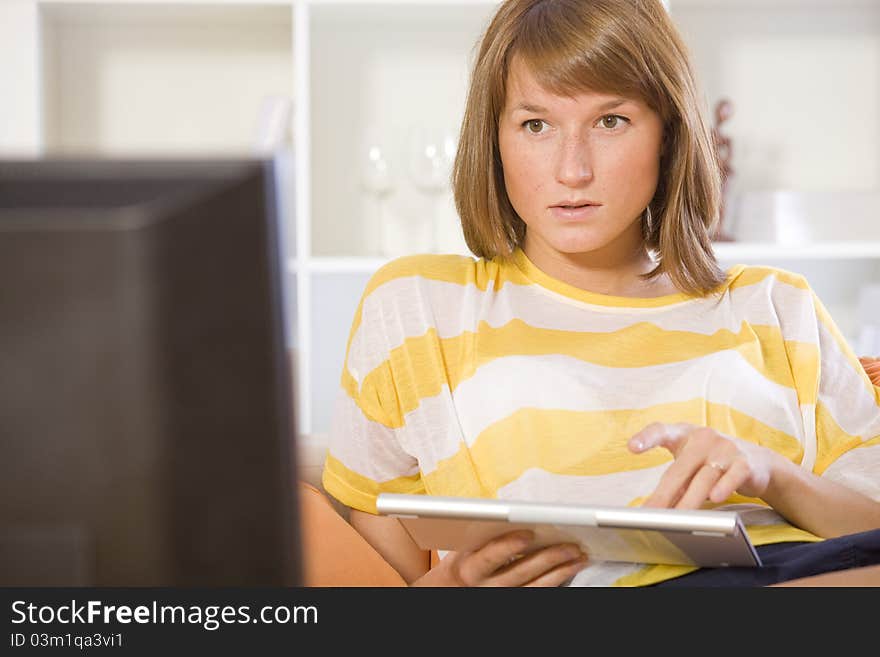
614,274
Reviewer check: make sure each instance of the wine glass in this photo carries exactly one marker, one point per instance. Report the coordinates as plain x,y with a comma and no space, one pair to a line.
431,156
377,182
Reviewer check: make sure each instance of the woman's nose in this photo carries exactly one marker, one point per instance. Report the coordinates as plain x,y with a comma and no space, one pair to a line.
574,166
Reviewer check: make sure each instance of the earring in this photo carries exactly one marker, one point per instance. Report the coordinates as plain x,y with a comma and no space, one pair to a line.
649,221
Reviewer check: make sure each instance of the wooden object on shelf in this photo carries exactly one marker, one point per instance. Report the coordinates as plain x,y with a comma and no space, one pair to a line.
723,111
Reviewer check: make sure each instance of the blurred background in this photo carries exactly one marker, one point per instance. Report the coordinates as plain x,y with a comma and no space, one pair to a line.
360,103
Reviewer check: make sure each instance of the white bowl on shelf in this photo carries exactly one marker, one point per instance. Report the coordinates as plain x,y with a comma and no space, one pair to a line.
793,218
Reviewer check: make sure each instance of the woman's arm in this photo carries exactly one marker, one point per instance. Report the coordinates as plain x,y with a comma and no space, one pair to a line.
391,540
711,466
820,506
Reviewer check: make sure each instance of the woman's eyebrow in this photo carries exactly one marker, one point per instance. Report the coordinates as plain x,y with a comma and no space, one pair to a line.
537,109
526,107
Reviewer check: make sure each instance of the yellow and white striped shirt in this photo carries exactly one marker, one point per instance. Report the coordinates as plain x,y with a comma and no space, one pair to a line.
489,378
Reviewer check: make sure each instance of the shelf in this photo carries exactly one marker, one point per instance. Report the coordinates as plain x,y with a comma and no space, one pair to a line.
86,6
379,71
769,4
828,250
179,13
411,3
352,265
172,79
727,251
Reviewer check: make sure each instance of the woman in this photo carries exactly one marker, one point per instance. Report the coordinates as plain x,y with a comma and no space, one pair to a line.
595,352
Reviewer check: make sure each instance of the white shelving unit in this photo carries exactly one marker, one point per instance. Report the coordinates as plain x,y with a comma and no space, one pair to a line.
187,77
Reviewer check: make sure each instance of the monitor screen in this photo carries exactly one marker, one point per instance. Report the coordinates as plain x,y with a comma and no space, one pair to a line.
146,408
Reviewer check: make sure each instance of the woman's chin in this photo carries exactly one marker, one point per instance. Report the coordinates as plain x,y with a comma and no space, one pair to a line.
589,239
579,245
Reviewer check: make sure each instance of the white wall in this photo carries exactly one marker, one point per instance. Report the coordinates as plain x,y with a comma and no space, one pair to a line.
20,117
804,80
375,75
168,81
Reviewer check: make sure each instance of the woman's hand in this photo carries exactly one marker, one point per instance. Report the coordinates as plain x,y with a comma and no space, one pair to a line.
504,561
708,465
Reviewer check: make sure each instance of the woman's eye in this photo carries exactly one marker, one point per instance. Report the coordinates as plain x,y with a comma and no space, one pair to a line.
615,118
534,126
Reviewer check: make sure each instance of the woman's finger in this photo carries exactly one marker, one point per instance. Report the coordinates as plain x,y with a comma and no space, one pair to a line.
735,476
659,434
701,483
561,573
476,567
672,485
536,564
676,481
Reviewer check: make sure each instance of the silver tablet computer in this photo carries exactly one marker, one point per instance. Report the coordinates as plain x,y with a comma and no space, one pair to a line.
634,534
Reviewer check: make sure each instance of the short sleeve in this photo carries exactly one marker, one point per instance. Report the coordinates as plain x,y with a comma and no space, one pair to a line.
847,412
365,454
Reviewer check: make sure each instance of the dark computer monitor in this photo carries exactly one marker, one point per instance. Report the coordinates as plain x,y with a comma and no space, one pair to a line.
146,416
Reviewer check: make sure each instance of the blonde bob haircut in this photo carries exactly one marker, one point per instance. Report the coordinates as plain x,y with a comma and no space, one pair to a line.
626,47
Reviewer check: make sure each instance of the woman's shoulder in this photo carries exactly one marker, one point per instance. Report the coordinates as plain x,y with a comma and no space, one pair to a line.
445,268
425,264
742,276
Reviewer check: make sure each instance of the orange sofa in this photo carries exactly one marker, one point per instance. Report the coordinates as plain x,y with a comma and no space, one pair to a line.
334,553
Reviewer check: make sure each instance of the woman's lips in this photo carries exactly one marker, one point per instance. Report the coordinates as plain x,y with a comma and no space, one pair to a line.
574,214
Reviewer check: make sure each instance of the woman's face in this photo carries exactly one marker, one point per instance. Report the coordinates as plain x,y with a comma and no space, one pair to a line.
559,151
